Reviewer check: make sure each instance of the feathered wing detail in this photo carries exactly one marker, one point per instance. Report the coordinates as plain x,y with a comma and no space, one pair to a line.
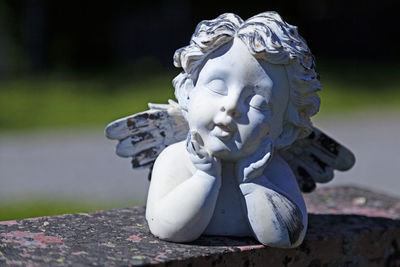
144,135
314,158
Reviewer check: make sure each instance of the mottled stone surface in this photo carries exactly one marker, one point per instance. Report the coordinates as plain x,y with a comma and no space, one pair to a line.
352,200
121,237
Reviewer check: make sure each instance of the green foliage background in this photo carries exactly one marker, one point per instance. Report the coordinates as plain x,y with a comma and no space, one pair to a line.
62,100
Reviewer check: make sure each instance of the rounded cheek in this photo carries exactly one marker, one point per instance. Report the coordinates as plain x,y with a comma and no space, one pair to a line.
253,133
200,115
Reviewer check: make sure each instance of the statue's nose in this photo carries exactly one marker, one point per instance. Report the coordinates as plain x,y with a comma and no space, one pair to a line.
231,105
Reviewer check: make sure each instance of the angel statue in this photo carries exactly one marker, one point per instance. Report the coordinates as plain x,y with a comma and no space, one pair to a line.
233,155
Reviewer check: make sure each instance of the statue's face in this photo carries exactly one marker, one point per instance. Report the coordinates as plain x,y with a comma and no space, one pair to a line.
238,102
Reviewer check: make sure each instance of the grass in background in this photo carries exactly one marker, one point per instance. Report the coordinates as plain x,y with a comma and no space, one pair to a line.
357,86
37,207
85,100
53,101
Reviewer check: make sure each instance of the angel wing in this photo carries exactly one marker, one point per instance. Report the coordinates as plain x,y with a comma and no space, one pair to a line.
144,135
314,159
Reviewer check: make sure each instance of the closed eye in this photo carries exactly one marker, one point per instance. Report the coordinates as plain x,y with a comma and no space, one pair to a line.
218,86
259,102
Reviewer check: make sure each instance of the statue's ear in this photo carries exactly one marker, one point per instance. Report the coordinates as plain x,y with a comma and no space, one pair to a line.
183,86
287,137
188,86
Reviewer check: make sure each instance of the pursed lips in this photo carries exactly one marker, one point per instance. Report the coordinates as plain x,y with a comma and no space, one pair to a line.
224,132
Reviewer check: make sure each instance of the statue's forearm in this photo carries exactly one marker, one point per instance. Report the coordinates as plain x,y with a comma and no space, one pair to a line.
274,219
183,213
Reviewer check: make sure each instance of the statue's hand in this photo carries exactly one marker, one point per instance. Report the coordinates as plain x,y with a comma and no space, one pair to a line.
200,157
253,166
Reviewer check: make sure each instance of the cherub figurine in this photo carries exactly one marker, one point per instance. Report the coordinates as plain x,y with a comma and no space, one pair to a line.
240,142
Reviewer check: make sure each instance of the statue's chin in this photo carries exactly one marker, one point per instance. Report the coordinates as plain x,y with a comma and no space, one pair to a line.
235,151
227,157
225,153
228,152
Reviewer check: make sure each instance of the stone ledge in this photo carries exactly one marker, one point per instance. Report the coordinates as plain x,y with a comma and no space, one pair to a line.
121,237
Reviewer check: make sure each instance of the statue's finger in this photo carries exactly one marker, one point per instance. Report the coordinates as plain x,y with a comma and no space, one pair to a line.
189,145
262,162
197,137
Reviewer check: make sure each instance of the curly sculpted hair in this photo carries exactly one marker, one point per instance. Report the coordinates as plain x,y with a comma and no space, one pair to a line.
268,38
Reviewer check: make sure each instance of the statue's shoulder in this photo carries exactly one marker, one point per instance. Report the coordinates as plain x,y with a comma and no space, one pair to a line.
279,167
173,152
173,158
280,173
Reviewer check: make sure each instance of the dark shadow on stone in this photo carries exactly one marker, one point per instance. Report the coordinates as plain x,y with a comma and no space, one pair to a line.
224,241
320,226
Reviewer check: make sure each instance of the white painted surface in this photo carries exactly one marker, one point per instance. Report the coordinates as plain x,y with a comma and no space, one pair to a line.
252,91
